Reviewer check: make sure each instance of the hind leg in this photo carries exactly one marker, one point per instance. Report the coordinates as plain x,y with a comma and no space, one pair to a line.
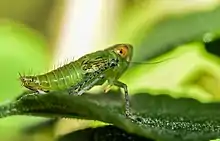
92,84
80,89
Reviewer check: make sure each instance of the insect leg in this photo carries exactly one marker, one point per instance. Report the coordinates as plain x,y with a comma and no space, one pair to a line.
72,90
90,85
107,88
127,102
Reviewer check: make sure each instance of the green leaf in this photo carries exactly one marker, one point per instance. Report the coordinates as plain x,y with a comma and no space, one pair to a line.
157,117
155,32
176,30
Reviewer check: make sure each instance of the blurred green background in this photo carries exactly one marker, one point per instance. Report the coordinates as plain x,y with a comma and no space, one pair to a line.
37,35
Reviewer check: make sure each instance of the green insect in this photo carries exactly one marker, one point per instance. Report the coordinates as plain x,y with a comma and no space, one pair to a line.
81,75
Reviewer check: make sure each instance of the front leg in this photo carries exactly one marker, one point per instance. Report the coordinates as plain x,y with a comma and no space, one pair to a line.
127,102
85,86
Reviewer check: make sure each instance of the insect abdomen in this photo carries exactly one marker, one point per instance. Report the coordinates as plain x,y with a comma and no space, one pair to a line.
77,73
60,78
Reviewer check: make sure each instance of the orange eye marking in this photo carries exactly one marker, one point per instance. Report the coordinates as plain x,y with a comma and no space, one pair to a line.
122,50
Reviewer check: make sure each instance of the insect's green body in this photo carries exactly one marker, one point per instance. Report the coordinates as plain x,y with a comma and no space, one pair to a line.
81,75
78,71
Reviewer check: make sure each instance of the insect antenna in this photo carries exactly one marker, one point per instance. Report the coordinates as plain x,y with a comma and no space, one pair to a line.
157,62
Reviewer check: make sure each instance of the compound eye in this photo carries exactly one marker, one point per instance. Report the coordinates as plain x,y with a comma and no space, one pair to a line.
122,50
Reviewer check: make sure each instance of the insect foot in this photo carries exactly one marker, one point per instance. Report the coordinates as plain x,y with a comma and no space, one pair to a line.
128,113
